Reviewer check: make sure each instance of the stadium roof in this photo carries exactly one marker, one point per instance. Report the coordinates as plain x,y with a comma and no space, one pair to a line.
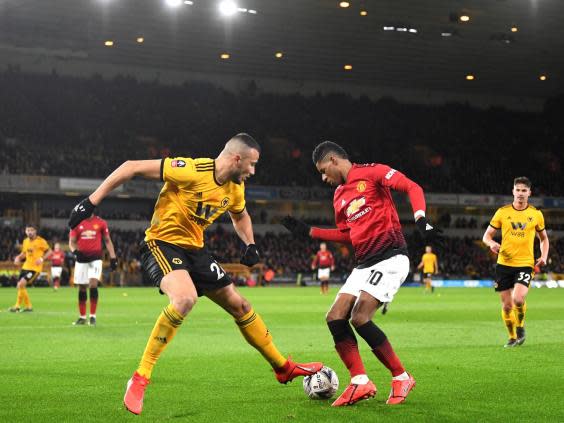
317,39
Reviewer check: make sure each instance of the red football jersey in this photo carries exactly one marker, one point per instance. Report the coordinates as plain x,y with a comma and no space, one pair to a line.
57,258
89,234
323,259
365,212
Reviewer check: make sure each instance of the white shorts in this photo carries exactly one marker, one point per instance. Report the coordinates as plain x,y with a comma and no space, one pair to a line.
56,271
323,273
381,280
83,272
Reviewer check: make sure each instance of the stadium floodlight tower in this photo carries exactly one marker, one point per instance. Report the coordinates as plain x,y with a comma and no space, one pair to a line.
228,8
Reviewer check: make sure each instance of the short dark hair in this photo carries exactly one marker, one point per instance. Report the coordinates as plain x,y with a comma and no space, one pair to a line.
325,148
247,140
522,180
31,225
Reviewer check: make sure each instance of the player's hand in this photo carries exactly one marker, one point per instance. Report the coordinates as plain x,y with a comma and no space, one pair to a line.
430,233
113,263
39,261
17,260
541,262
251,256
297,227
494,247
81,211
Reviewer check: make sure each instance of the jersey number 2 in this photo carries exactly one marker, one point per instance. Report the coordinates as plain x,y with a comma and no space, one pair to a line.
214,267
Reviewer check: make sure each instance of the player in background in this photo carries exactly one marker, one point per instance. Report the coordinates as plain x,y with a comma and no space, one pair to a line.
85,242
366,217
430,267
325,264
195,193
34,252
519,222
57,258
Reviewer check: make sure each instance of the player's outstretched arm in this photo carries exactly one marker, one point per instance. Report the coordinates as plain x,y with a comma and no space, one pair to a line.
489,241
150,169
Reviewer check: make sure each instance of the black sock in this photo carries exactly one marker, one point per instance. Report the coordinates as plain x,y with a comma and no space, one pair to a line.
372,334
341,330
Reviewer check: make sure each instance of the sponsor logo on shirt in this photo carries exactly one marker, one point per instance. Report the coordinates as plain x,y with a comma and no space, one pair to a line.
357,209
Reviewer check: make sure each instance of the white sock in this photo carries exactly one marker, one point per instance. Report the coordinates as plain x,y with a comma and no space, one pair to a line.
93,315
403,376
360,380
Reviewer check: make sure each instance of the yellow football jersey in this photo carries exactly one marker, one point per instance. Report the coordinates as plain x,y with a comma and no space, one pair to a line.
429,263
518,230
190,201
34,249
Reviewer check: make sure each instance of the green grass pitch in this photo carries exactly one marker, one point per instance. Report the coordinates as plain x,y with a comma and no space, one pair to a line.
451,341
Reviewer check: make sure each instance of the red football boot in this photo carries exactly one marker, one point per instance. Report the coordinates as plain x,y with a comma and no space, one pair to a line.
133,399
354,393
291,370
400,389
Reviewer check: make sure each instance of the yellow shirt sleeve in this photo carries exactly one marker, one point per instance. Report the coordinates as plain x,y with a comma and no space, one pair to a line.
496,220
540,224
239,202
179,171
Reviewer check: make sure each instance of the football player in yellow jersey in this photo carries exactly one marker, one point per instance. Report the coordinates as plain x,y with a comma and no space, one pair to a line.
519,222
430,267
195,193
34,252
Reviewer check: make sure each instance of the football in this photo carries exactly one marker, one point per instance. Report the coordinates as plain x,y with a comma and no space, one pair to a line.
321,385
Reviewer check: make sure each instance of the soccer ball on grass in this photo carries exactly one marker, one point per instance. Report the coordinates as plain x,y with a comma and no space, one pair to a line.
321,385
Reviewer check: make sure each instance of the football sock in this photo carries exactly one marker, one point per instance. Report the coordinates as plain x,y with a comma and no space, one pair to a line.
519,313
56,282
93,301
360,380
403,376
25,298
509,320
347,346
82,296
164,330
255,332
19,297
381,347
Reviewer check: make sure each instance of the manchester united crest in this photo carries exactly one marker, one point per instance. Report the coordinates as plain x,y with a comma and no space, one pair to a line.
361,186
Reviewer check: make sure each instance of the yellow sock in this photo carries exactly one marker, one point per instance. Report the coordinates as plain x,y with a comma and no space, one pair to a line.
25,298
255,332
164,330
19,297
509,320
520,312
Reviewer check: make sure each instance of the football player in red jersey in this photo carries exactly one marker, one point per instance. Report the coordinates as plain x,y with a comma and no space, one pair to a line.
324,263
85,241
57,258
366,217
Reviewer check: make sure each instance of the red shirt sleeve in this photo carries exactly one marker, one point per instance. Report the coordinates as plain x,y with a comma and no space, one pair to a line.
334,235
388,177
315,259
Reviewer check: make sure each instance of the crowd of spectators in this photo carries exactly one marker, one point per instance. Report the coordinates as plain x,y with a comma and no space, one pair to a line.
65,126
287,256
